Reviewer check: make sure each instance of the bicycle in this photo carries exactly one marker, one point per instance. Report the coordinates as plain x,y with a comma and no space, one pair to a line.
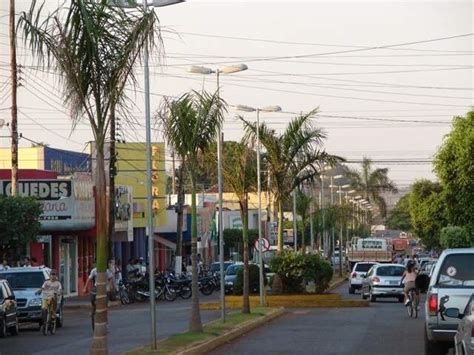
412,306
48,316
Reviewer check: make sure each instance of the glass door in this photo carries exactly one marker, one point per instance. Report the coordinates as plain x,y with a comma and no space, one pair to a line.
68,265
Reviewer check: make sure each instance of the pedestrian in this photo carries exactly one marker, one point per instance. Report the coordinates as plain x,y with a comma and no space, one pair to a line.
4,265
92,281
407,259
130,266
34,262
118,273
26,262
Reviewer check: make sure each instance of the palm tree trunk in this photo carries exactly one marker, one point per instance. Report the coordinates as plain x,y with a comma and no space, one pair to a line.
195,324
245,237
180,219
303,242
99,341
280,225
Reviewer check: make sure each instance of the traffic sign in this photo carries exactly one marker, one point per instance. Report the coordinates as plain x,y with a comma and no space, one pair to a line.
264,244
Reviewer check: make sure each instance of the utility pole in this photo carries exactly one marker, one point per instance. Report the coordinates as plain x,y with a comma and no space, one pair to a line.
173,174
14,108
295,226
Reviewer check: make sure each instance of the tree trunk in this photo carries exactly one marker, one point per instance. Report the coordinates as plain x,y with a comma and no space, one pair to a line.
99,341
195,324
245,240
280,225
303,242
111,225
180,221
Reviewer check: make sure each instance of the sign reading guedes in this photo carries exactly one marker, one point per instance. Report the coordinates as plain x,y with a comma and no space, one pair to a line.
41,189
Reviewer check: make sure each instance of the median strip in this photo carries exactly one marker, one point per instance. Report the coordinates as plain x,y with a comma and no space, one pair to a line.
215,333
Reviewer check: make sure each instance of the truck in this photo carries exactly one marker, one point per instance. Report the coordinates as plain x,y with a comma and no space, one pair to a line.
400,245
368,249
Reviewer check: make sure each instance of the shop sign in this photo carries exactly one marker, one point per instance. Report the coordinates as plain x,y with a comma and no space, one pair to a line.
42,189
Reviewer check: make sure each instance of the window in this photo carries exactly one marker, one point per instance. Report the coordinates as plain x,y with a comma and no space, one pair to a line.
232,270
19,280
457,271
390,271
363,267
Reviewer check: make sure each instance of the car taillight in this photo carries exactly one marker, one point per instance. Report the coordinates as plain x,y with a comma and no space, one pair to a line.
433,304
376,280
354,275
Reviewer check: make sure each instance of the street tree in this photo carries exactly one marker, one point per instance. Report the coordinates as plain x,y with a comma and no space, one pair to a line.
94,47
427,211
292,157
239,169
303,202
454,165
371,183
455,237
190,124
399,217
19,222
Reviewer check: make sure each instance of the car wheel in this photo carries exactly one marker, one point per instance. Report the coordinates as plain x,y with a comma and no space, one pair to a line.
433,347
372,297
351,290
60,318
362,294
14,330
3,328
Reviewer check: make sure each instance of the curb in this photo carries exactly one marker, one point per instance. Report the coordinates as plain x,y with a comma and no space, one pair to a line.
209,345
336,284
72,306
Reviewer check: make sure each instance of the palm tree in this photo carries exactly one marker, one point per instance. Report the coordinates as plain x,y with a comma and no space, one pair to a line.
371,183
93,47
239,170
303,202
190,125
292,157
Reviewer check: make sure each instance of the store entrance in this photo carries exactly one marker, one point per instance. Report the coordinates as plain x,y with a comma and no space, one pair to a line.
68,265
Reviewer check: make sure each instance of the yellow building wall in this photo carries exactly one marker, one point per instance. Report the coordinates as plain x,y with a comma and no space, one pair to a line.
28,158
131,170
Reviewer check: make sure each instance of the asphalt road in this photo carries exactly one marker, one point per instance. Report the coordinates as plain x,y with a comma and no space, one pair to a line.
128,329
383,328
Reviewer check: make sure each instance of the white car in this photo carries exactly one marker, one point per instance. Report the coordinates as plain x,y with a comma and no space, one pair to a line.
464,337
357,275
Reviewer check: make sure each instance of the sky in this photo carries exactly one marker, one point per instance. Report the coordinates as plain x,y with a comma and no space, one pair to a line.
392,104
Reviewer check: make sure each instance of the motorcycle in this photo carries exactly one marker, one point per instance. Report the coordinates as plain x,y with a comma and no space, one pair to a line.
181,285
208,284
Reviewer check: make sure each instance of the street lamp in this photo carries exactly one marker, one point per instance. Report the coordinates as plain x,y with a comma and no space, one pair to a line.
244,108
149,210
229,69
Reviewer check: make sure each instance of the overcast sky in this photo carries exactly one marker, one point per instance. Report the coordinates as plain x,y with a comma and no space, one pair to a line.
385,103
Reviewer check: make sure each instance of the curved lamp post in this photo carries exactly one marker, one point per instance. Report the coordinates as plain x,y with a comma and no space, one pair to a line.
228,69
274,108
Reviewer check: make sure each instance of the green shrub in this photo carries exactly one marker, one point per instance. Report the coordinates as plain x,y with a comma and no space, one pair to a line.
254,280
455,237
289,266
295,268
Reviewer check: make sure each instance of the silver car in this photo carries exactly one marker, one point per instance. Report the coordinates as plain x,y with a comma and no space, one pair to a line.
357,275
451,286
464,338
383,280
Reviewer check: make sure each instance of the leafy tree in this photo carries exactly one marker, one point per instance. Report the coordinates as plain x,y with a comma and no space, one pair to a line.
427,211
190,125
400,216
19,221
371,183
454,164
93,46
291,157
233,239
455,237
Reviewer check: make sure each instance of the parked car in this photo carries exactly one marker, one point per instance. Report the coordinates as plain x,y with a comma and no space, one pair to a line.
25,281
230,276
8,316
427,267
216,267
357,275
464,338
451,286
383,280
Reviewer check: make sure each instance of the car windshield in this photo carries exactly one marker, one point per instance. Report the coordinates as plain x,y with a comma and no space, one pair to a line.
216,267
363,267
19,280
390,271
457,271
232,270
